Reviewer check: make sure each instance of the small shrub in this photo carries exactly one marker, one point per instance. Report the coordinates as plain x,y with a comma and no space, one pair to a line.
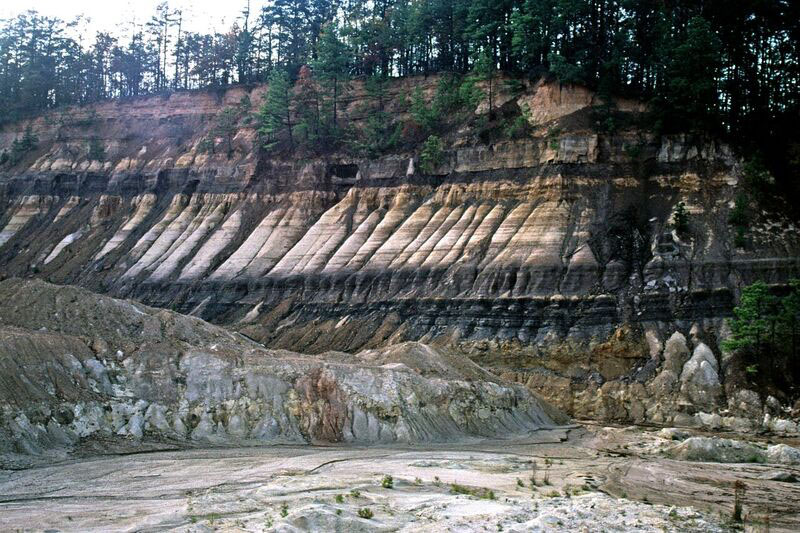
553,141
431,155
206,146
366,513
520,483
417,481
738,215
633,151
19,147
553,494
284,510
757,178
480,492
469,93
339,498
387,482
680,219
739,237
355,493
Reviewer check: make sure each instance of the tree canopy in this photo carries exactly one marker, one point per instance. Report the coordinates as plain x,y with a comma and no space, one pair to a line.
729,67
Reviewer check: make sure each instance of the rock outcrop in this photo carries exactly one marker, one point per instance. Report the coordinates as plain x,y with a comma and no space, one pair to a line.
712,449
76,365
528,255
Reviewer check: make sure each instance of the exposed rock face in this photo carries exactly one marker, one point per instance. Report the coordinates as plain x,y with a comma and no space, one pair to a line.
538,248
78,365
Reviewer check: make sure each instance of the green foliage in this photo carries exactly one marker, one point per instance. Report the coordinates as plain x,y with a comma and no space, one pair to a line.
766,326
740,237
754,318
225,127
387,482
739,214
206,146
513,86
453,95
604,117
19,147
553,138
516,127
565,71
366,513
274,116
339,498
739,218
757,178
479,492
671,54
469,94
680,219
431,155
381,133
284,510
633,151
485,70
422,114
331,67
308,109
691,90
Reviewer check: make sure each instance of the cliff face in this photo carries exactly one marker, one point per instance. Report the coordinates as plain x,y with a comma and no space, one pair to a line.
550,256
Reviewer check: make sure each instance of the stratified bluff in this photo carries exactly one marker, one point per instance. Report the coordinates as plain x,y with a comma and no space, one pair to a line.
549,258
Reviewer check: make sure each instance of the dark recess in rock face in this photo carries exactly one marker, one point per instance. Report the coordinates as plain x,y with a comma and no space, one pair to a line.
522,247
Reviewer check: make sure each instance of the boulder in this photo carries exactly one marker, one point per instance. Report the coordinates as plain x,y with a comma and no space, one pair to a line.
716,450
700,378
676,352
783,454
746,403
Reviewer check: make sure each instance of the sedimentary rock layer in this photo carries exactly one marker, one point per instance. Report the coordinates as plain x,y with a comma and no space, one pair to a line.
553,240
78,365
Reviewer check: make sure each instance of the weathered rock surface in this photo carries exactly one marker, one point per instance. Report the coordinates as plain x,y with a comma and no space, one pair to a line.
527,255
719,450
75,365
310,488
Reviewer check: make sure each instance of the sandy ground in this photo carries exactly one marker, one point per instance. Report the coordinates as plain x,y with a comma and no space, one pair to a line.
586,479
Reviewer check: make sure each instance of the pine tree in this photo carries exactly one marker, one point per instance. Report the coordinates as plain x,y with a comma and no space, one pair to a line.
485,71
691,91
332,69
275,114
307,97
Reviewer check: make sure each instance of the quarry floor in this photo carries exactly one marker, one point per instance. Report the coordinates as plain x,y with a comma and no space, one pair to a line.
588,478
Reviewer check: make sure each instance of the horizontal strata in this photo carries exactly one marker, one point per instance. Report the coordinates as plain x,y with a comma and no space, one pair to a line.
521,253
565,233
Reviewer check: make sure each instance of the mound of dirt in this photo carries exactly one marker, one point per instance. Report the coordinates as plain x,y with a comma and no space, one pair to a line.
77,366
